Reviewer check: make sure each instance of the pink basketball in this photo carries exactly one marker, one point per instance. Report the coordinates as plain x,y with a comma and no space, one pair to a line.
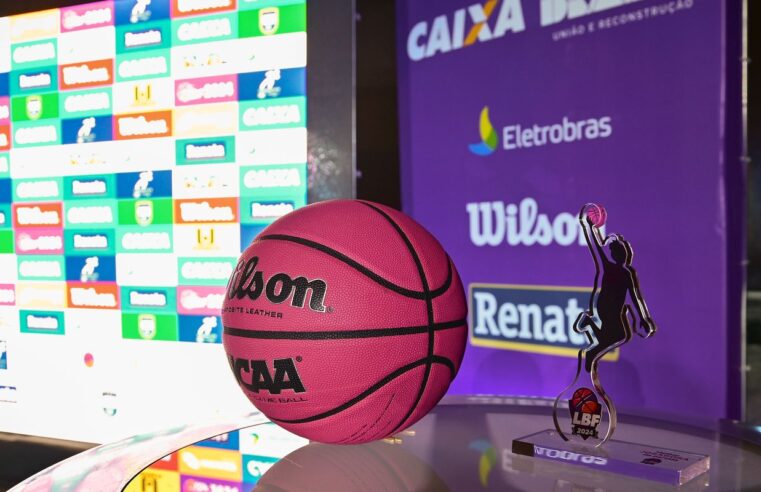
344,321
596,213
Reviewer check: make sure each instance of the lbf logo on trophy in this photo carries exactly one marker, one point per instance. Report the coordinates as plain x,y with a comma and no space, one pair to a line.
583,414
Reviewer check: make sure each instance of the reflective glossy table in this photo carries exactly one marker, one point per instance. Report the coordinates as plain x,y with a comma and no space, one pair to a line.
464,444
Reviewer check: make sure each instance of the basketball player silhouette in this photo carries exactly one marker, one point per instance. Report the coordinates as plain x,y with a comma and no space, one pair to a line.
616,303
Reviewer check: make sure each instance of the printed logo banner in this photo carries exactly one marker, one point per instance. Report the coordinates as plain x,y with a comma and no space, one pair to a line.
549,105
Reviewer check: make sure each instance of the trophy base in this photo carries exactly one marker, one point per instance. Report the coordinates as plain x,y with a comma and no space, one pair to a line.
640,461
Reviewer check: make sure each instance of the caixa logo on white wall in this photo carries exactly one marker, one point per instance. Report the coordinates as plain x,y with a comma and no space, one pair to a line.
528,318
496,223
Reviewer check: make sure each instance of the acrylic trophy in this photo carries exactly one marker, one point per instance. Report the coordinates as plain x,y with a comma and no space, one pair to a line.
584,415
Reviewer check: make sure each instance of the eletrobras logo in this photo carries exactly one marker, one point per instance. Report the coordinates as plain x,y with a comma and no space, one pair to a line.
528,318
528,135
479,23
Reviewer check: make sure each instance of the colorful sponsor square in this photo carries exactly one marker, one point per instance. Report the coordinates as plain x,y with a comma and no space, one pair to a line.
142,65
254,467
269,21
284,146
6,241
289,112
206,120
5,165
99,295
87,74
34,80
131,12
89,187
5,137
168,462
35,107
201,329
42,241
197,300
145,36
181,8
41,267
91,44
269,440
35,25
7,294
139,239
248,233
205,181
263,211
141,96
143,125
41,295
94,268
87,16
144,184
204,29
145,212
155,269
154,479
33,54
37,215
87,130
36,133
273,181
90,242
6,216
258,4
5,110
228,440
149,299
214,150
211,271
6,190
34,190
197,484
43,322
222,88
273,83
206,240
5,83
3,354
93,102
91,213
206,210
149,326
220,464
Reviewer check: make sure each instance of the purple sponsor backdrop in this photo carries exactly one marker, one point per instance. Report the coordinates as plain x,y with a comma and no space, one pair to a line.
649,76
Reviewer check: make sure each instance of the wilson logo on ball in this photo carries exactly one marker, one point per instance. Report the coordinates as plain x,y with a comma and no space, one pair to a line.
286,376
247,281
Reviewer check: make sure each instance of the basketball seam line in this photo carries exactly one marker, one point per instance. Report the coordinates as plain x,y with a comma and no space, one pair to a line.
437,359
340,334
428,305
363,269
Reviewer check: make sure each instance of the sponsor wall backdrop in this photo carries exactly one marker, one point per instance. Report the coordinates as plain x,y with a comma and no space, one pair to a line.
143,144
516,113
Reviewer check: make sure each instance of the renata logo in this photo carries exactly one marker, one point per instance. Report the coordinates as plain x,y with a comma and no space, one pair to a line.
37,322
147,125
79,103
197,30
207,151
495,224
272,115
259,378
147,37
87,74
271,210
247,281
90,241
34,53
35,80
272,178
77,19
140,298
88,187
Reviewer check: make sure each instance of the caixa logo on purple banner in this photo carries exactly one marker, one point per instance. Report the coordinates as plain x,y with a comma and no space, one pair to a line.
498,223
528,318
